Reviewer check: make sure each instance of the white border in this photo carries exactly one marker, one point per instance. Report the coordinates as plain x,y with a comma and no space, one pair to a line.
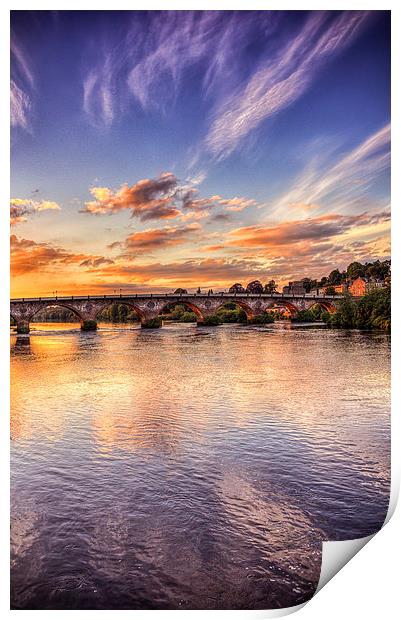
368,585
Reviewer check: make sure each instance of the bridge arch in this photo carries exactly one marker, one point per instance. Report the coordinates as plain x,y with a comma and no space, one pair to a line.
187,304
326,305
292,308
117,302
57,305
242,304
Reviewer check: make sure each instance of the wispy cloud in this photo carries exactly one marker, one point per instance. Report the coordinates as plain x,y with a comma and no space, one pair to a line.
20,208
282,79
346,182
21,88
154,52
99,93
178,40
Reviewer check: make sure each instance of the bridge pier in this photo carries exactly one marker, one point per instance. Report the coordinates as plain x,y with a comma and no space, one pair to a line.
151,320
23,326
88,325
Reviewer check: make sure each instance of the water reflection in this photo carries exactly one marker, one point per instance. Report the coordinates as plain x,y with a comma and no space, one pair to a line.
191,467
22,345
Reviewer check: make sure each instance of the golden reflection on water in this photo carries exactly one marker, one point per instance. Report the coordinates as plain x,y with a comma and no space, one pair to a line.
201,467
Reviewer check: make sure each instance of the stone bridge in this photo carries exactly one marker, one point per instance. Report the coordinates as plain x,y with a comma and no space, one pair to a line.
150,306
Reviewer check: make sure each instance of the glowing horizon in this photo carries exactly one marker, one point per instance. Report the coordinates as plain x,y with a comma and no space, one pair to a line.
152,151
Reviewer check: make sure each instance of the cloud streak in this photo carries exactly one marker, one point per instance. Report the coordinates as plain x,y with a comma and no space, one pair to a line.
21,87
281,80
346,182
99,91
154,53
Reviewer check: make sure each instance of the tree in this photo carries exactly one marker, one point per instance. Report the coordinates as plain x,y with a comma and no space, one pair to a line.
270,287
355,270
199,290
236,288
255,287
335,277
373,311
180,291
330,290
309,284
115,313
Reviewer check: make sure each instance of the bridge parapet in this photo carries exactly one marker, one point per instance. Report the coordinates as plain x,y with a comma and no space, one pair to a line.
150,306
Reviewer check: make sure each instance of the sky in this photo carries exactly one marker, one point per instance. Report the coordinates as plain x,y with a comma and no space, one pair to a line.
156,150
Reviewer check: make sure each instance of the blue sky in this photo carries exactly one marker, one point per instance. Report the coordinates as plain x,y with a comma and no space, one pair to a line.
269,125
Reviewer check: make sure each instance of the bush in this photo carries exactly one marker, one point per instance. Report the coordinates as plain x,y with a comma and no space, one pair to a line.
236,315
262,319
152,323
211,320
188,317
316,313
304,316
179,312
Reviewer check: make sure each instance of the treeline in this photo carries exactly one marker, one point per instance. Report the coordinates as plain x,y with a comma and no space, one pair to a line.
377,270
118,313
373,311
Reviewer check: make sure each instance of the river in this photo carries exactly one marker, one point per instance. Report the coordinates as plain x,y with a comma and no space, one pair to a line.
191,467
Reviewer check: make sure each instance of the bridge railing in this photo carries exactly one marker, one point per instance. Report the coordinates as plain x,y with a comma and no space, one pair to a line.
218,295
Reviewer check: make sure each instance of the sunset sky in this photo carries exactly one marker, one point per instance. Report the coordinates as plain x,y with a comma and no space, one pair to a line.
153,150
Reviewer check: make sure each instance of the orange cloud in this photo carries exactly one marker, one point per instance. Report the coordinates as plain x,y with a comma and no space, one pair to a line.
236,204
192,203
313,230
195,272
148,199
28,256
162,198
20,208
213,248
156,239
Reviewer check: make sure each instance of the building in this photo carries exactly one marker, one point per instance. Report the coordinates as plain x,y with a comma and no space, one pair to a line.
339,289
361,286
357,288
294,288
